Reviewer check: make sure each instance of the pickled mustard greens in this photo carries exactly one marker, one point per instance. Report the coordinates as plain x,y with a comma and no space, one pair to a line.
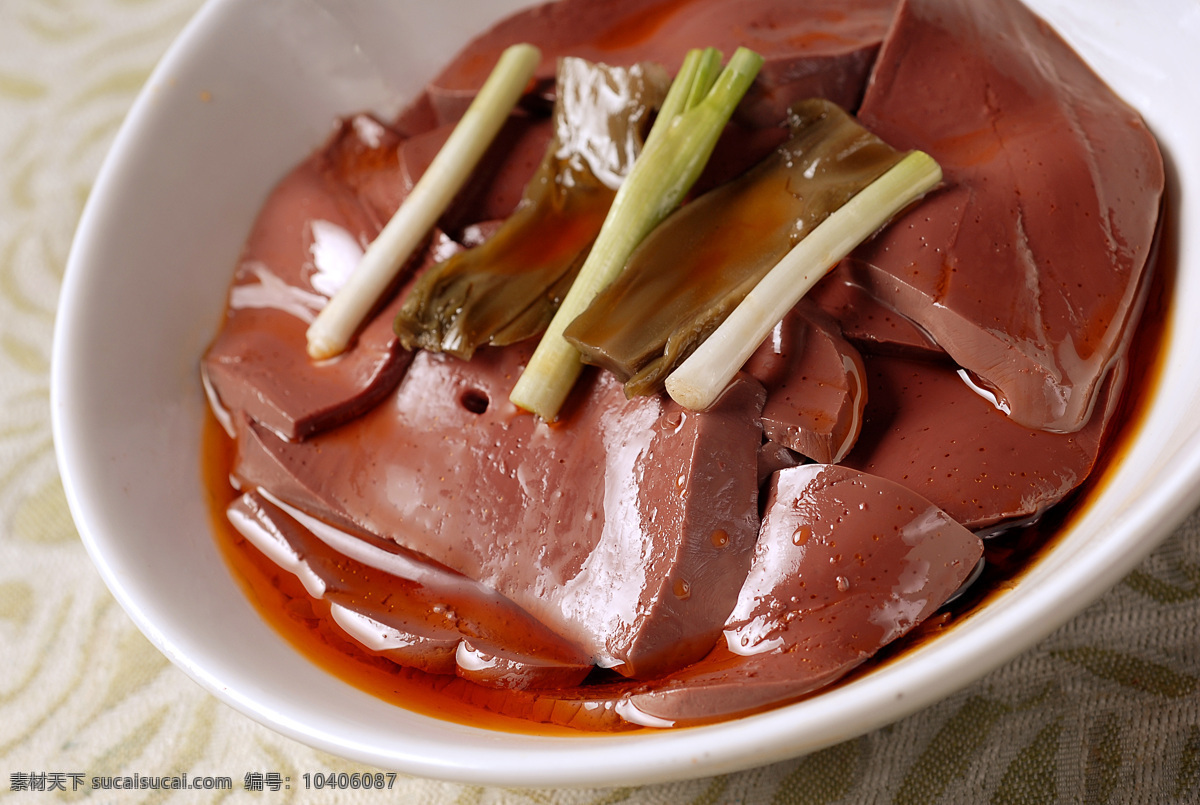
689,273
701,378
508,288
337,322
695,112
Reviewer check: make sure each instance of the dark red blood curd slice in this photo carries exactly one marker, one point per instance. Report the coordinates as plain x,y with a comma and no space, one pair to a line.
845,564
1026,267
404,607
308,237
816,386
925,428
822,48
626,528
867,322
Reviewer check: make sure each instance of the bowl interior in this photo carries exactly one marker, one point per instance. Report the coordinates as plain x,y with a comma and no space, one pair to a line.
248,90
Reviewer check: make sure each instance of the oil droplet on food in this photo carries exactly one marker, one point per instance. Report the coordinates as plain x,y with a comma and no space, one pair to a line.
843,584
802,535
720,538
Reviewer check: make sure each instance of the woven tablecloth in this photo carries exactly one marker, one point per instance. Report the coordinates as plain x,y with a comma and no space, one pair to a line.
1104,710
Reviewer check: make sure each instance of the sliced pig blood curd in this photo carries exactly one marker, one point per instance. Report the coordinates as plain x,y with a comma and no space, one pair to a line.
634,564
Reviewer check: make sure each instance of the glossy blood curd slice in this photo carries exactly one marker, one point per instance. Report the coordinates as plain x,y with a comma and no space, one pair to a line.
403,607
816,386
845,563
626,528
925,428
1027,267
308,237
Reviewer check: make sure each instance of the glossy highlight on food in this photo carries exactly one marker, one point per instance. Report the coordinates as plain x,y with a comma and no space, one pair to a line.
634,564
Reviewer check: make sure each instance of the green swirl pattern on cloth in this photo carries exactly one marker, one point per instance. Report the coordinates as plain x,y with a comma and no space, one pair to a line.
1106,710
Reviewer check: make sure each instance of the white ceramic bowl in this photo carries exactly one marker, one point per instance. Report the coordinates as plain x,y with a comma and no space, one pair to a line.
248,90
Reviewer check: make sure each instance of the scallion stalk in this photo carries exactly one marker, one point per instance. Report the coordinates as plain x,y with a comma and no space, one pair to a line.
701,378
337,322
695,112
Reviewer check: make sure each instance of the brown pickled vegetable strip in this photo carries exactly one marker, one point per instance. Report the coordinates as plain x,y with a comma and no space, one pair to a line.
508,288
700,379
688,274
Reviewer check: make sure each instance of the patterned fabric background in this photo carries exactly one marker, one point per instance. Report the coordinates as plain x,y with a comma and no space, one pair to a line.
1106,710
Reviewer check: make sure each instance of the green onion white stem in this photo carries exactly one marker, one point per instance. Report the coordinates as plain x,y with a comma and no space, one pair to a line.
337,322
699,380
695,112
